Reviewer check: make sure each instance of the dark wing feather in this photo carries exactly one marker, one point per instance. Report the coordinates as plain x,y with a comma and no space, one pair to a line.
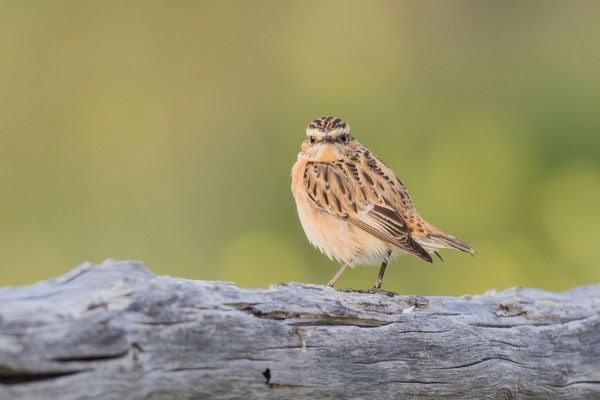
339,190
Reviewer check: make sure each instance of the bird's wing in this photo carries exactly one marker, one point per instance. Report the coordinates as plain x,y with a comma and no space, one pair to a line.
353,194
397,197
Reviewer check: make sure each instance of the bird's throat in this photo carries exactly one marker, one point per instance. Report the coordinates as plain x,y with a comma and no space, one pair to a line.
325,153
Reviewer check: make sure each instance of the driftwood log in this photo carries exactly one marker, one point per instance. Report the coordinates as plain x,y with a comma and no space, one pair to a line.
117,331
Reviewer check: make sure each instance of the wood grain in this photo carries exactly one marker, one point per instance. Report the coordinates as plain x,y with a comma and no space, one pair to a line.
117,331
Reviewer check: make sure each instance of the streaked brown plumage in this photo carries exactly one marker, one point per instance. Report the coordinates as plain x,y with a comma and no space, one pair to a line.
353,207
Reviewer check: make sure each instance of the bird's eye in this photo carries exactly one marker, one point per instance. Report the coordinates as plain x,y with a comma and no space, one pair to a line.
345,138
312,140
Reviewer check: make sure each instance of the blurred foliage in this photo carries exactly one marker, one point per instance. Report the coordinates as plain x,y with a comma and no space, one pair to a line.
166,132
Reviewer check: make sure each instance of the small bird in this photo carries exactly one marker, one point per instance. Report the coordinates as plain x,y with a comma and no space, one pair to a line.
354,208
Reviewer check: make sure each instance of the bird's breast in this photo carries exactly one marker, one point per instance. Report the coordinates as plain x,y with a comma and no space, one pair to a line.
334,236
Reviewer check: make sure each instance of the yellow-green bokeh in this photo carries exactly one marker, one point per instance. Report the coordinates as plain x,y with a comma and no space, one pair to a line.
165,132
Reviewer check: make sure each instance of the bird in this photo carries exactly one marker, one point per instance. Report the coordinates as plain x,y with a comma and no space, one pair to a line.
354,208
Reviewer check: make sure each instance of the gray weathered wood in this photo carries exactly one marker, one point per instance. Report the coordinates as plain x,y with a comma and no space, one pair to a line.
117,331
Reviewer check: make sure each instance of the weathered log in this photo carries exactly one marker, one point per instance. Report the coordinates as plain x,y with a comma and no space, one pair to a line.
117,331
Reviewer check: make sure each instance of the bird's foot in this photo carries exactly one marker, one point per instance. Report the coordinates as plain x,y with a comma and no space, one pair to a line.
373,290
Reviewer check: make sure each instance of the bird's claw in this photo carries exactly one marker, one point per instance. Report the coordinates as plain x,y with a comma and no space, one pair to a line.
373,290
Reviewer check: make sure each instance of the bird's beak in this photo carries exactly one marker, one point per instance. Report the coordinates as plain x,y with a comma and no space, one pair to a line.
328,139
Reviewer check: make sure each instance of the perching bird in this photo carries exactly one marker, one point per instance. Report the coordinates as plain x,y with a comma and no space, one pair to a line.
353,207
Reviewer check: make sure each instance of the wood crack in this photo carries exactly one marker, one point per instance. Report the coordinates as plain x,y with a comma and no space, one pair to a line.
8,377
485,360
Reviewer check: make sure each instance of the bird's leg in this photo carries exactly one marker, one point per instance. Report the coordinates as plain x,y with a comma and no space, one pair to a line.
377,287
380,276
386,260
337,275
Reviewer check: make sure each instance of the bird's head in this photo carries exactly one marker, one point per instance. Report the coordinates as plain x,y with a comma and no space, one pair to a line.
327,139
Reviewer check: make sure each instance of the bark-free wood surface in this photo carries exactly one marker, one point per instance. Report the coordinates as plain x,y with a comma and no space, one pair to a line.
117,331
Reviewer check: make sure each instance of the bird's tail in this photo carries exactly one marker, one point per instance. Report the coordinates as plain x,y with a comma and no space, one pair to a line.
436,239
452,242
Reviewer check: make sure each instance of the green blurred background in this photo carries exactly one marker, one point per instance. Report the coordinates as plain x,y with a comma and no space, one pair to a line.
165,131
